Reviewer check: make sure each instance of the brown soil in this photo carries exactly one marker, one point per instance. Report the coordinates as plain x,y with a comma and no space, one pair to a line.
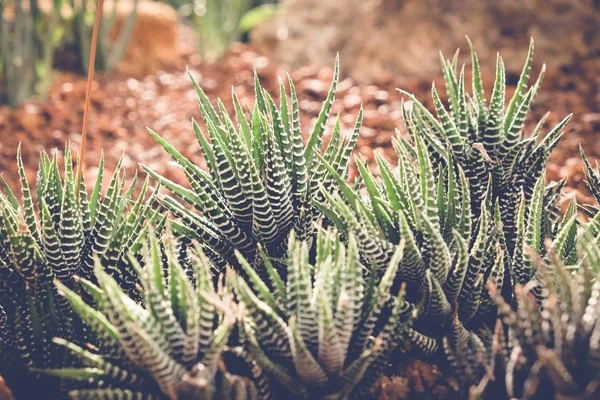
415,379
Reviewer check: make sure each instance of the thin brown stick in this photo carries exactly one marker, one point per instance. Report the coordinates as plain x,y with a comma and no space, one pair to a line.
88,92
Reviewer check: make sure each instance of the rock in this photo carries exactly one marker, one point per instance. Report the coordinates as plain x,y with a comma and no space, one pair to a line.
352,101
315,87
376,37
153,42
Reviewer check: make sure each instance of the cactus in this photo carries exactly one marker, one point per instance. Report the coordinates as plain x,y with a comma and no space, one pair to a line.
28,38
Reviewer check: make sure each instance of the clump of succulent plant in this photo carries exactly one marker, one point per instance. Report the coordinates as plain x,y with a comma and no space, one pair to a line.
486,138
261,177
548,346
328,330
55,237
446,258
170,345
456,240
91,295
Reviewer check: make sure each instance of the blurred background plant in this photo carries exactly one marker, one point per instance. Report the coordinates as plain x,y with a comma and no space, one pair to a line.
219,23
110,50
38,36
28,39
32,32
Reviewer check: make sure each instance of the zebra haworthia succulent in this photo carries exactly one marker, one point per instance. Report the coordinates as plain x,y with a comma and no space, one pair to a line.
89,293
261,178
328,331
448,203
56,238
549,346
486,138
168,346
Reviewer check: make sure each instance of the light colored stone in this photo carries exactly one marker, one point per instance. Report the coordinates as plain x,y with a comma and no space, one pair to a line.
153,42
